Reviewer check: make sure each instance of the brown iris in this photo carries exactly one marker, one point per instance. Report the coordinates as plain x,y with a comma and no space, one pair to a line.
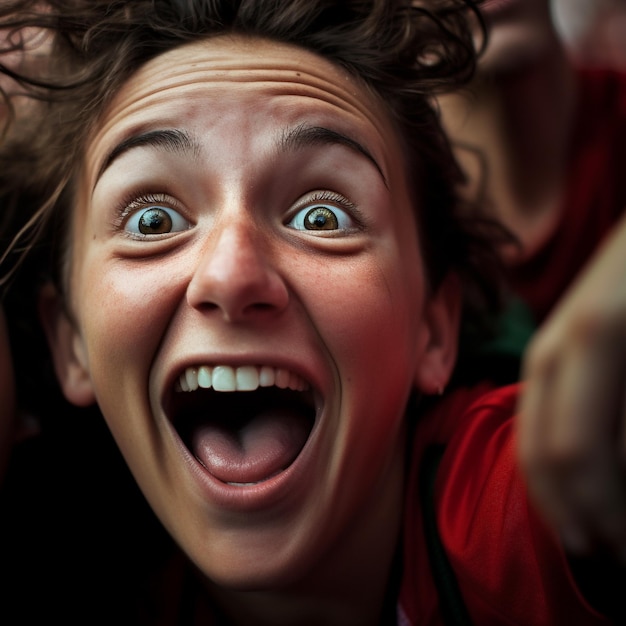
320,218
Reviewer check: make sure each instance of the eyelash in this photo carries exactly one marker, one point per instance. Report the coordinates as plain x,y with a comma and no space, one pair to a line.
134,202
341,201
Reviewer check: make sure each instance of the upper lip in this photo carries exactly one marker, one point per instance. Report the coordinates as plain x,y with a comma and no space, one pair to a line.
196,361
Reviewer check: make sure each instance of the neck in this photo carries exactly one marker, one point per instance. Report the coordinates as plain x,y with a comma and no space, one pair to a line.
511,133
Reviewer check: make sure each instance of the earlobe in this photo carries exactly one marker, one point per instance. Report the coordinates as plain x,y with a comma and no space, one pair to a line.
66,348
440,346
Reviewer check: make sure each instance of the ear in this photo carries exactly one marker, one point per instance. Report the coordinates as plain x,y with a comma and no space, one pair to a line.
66,347
440,345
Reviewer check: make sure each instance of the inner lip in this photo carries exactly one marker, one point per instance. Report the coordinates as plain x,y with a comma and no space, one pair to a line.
236,414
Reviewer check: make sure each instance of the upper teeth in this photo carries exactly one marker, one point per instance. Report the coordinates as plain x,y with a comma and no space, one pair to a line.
244,378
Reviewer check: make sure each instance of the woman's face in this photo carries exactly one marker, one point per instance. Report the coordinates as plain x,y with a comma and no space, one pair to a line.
250,303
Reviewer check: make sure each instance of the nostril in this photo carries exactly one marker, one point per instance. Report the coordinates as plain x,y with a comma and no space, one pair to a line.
260,307
207,306
263,292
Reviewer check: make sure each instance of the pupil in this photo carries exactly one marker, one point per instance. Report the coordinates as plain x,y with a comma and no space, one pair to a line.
155,221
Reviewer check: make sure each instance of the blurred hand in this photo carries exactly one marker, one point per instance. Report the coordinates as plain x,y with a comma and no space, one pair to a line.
572,413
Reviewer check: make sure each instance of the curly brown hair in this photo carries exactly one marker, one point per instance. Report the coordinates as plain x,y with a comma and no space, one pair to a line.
404,51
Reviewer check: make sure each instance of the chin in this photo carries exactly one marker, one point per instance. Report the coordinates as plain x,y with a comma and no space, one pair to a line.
250,573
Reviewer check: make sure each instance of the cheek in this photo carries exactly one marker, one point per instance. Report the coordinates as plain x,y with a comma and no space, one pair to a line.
368,320
368,316
123,314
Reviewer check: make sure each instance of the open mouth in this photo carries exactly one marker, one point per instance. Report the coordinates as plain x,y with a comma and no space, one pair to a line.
244,425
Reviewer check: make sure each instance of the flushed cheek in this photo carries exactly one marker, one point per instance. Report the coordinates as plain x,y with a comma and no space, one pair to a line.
368,322
367,308
364,323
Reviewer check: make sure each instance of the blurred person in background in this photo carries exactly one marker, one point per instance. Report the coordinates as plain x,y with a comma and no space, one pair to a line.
542,140
594,30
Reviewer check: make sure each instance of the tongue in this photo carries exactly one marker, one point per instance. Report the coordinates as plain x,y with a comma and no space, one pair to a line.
257,450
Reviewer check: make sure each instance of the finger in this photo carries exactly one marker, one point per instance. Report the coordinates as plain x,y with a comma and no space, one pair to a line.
582,442
535,413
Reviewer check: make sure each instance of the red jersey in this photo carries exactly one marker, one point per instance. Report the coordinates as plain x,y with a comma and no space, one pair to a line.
595,193
508,566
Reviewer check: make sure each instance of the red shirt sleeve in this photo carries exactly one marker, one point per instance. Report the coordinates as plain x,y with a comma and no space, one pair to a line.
509,566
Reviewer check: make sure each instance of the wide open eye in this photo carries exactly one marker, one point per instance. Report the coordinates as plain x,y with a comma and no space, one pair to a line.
320,218
156,220
322,213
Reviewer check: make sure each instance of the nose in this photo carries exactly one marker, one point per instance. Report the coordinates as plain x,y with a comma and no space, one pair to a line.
236,276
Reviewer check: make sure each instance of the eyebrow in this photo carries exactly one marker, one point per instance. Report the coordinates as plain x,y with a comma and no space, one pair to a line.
179,141
173,140
303,136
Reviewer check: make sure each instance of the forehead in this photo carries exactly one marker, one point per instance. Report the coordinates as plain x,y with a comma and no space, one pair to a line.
219,78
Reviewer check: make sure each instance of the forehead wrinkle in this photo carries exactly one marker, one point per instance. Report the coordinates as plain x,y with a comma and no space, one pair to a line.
245,70
275,81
